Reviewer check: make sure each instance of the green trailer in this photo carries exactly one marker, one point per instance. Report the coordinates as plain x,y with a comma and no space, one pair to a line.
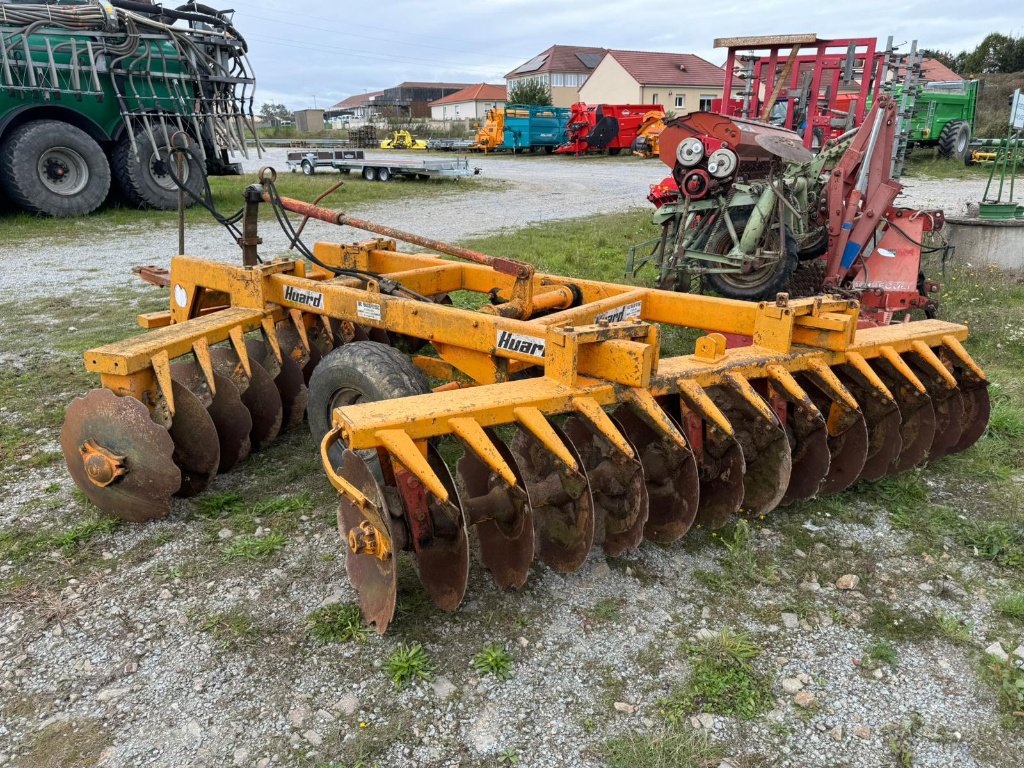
92,95
944,118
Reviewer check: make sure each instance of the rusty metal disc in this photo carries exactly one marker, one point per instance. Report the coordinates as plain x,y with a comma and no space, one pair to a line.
616,486
767,457
260,394
375,580
233,422
125,449
882,418
950,413
506,546
848,452
976,413
721,480
443,564
196,448
917,428
808,442
290,383
291,346
563,509
670,473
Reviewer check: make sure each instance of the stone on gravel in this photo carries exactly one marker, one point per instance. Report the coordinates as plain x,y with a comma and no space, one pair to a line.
791,685
624,707
443,687
790,620
313,738
804,699
836,733
996,650
862,732
110,694
848,582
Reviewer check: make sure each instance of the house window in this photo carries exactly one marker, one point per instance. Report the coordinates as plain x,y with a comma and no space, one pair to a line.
582,79
654,98
681,101
558,79
705,101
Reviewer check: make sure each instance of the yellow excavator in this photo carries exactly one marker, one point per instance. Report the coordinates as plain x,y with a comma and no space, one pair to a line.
646,142
402,140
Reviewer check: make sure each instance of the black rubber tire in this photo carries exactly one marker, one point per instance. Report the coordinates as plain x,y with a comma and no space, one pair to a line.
308,169
360,371
765,290
955,141
614,151
141,176
814,248
548,150
383,174
27,145
370,173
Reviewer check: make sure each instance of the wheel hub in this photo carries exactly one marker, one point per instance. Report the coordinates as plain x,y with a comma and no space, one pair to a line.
102,467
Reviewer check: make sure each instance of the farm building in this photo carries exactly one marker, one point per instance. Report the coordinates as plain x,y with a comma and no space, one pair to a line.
469,103
682,82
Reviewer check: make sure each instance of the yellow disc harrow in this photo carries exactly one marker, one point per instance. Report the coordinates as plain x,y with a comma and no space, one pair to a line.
574,430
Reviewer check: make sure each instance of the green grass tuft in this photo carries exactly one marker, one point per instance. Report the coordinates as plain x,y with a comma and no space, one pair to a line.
680,748
233,628
407,664
882,653
1011,606
337,624
254,547
493,660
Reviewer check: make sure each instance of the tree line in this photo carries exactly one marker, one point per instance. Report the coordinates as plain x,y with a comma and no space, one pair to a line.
997,53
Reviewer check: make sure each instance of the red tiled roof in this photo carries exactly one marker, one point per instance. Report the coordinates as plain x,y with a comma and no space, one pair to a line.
934,71
649,68
561,58
478,92
359,100
413,84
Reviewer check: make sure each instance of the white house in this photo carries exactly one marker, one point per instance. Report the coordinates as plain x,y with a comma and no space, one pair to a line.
681,82
472,102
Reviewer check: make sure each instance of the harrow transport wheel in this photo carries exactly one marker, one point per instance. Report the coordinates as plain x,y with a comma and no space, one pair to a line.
443,564
616,486
196,447
670,473
374,579
291,387
563,509
120,458
506,545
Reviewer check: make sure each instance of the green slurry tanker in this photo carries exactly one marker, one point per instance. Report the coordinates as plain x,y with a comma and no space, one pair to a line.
94,94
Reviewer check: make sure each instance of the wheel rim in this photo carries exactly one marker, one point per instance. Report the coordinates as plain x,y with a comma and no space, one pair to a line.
63,171
755,278
961,141
159,172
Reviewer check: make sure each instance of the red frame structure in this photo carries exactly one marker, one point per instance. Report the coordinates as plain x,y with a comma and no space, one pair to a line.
830,62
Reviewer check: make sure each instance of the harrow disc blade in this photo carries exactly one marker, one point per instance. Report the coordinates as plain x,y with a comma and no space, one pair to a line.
848,452
670,473
808,438
260,395
196,448
976,412
291,346
375,580
767,457
616,485
917,430
291,386
506,546
882,418
563,509
950,414
233,423
443,564
119,457
721,481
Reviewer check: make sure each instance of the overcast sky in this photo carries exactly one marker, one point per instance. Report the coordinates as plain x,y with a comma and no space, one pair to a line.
304,50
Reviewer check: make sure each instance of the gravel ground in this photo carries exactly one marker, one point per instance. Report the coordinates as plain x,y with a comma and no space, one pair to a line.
538,189
116,655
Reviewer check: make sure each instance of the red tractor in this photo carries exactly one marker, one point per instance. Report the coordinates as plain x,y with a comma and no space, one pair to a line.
613,127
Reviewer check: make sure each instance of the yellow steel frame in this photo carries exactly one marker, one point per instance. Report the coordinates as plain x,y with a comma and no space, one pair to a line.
604,350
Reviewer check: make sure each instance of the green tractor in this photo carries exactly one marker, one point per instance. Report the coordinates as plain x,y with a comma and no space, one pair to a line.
95,94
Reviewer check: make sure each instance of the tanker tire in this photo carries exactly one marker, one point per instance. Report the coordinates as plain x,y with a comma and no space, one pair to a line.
27,146
360,371
955,141
777,282
142,178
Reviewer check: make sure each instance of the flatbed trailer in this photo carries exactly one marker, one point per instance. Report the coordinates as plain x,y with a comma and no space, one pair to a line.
377,168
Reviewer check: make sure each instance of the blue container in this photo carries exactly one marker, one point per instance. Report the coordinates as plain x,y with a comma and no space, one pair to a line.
531,127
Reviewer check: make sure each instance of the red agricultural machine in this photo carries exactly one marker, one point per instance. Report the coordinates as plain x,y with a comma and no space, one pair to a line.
612,127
